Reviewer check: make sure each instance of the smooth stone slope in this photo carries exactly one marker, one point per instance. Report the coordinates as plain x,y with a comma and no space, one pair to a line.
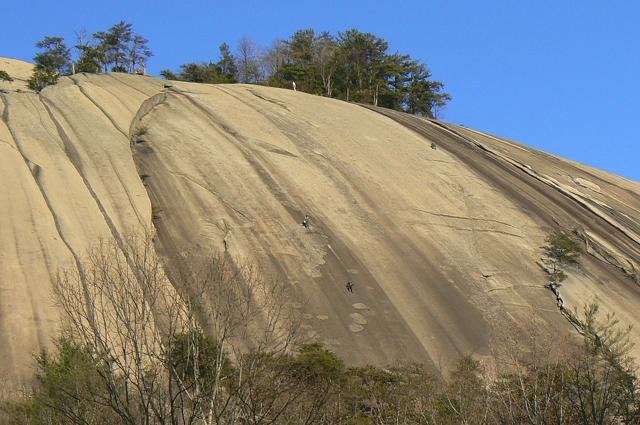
441,244
19,71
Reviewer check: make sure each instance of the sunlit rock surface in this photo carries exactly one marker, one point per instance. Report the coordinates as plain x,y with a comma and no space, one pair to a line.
441,245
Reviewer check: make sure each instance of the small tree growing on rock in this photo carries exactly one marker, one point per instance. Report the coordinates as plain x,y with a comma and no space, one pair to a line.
562,249
53,60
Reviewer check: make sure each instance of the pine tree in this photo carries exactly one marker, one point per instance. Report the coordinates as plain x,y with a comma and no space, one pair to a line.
139,52
53,60
114,46
425,96
227,64
55,55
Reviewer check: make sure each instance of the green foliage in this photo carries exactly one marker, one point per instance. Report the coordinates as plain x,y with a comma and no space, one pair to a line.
595,383
557,276
223,71
167,74
54,55
227,66
113,45
315,363
4,76
53,60
68,390
200,73
354,66
42,78
118,49
123,373
367,73
423,96
563,247
89,59
195,355
403,394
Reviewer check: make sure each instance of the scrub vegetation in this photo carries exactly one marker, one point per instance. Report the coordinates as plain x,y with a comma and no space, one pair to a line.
4,76
350,65
118,49
136,352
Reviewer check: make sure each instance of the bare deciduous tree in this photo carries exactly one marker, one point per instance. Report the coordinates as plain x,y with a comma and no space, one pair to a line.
163,353
530,374
325,53
248,55
275,57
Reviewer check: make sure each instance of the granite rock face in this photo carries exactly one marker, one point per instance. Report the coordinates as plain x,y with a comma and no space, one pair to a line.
18,71
441,245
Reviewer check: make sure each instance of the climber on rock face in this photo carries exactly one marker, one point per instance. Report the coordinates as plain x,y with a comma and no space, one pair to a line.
349,286
305,222
433,146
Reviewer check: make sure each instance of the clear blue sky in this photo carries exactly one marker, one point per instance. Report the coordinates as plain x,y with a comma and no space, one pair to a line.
559,75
